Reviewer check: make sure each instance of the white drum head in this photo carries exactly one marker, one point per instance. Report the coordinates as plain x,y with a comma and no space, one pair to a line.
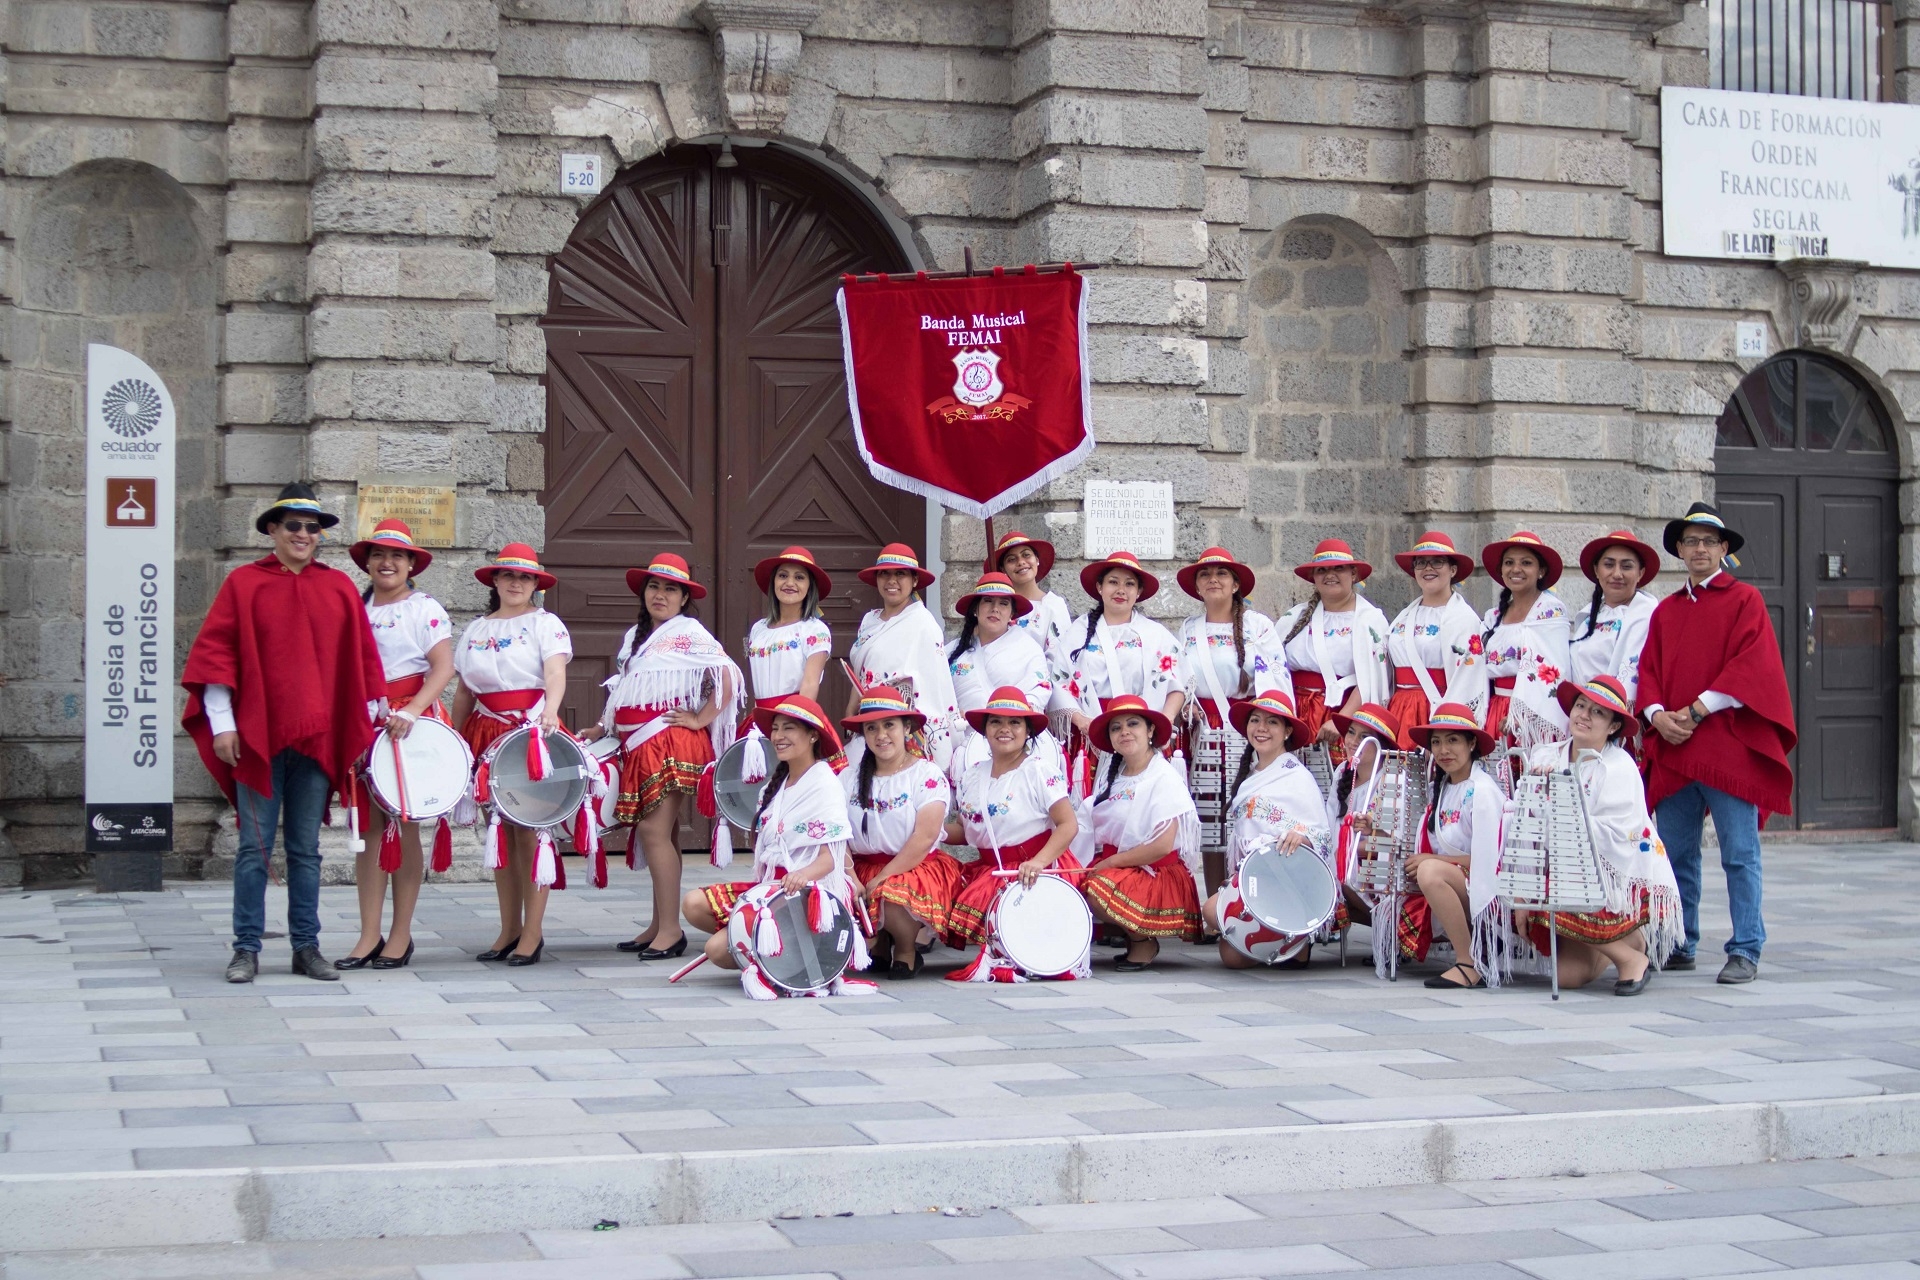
549,802
1292,893
605,747
807,961
429,776
739,801
1046,929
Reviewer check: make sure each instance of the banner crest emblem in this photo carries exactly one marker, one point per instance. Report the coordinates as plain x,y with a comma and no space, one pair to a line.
979,381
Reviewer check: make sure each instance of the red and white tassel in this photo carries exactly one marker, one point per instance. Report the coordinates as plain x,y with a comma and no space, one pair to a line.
587,843
845,986
705,799
819,909
753,984
442,848
496,842
389,845
539,759
753,761
720,853
979,969
545,860
483,783
766,936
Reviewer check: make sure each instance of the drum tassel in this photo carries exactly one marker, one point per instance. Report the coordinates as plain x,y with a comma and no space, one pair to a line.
721,851
442,847
539,762
633,847
753,761
546,861
496,842
352,801
389,844
483,783
705,798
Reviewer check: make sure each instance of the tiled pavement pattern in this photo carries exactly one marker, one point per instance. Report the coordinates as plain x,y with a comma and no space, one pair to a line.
1826,1219
121,1048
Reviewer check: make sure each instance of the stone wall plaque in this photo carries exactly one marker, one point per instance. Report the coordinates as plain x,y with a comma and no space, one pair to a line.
1134,515
424,502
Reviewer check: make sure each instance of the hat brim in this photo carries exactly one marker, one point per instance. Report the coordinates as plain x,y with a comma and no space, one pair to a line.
543,580
763,575
763,717
1021,605
1036,720
1361,569
1090,578
326,518
1189,577
922,577
1568,693
1042,549
1649,558
637,583
1671,537
1240,714
1551,565
1097,731
1420,733
1462,562
1344,722
360,550
852,724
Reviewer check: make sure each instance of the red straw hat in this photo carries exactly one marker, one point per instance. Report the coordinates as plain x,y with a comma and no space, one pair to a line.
880,702
806,711
896,555
1017,539
517,557
1602,691
1274,703
1649,558
1128,705
394,533
667,567
1090,576
1491,554
1214,558
1437,546
1332,553
1452,717
763,572
994,586
1372,717
1010,703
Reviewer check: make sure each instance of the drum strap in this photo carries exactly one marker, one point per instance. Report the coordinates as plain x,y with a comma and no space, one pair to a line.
636,724
1010,856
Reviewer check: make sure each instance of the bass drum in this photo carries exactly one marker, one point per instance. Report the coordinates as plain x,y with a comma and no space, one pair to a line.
552,800
605,751
1276,902
772,929
422,775
1045,928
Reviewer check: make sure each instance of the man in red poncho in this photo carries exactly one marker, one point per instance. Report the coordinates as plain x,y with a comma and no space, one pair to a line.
278,683
1713,688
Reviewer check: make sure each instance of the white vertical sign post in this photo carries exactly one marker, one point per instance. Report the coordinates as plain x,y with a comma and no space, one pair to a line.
129,636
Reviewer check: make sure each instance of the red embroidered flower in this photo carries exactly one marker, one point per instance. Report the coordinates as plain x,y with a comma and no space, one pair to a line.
1473,645
1549,674
1166,662
1073,689
932,783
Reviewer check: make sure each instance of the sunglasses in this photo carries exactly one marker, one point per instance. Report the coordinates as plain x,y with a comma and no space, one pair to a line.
302,526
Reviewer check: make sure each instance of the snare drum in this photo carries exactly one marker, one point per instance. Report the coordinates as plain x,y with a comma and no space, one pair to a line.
1045,927
739,800
555,798
1276,902
801,958
606,751
422,775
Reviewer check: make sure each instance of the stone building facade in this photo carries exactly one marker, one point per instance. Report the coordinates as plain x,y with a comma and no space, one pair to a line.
1366,267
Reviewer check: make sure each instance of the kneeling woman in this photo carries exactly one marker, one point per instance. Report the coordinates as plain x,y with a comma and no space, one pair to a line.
800,833
1147,832
1642,914
1013,809
897,804
1274,798
1459,846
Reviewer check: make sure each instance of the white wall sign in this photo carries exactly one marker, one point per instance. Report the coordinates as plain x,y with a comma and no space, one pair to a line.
129,631
1134,516
579,174
1769,176
1750,340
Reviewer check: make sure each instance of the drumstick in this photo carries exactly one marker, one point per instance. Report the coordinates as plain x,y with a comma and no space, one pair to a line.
400,780
857,686
688,967
1045,871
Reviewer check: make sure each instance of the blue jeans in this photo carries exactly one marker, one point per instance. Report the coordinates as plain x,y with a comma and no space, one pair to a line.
300,790
1681,818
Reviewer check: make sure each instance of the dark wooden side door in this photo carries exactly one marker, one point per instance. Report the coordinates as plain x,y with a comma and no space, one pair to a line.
1807,471
696,399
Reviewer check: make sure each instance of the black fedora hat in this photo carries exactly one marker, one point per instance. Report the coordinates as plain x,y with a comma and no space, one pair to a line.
1701,513
295,499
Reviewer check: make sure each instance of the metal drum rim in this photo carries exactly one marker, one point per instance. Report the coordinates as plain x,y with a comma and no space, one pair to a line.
373,753
1001,900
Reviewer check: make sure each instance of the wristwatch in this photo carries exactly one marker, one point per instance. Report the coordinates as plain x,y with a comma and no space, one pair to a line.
1693,713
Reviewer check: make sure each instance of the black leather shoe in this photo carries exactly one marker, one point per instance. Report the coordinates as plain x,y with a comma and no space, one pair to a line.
1634,988
243,966
1123,965
1737,970
632,944
360,962
382,960
309,963
499,953
673,952
1677,963
518,961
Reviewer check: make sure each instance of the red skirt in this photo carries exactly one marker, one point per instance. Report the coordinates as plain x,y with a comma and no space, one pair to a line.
868,865
927,892
482,731
1157,901
1310,704
668,763
1499,703
1409,704
1414,928
978,888
400,692
722,897
1594,927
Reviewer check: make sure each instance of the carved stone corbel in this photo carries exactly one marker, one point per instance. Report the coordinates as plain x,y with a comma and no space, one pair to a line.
757,43
1822,294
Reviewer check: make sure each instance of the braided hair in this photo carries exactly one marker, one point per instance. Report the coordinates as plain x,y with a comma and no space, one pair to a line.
1112,775
863,794
1499,614
1240,633
1300,624
1245,771
1437,779
1593,610
774,782
1093,621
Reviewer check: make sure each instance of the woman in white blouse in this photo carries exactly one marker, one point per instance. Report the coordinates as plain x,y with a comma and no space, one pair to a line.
1026,562
1336,643
902,644
1610,632
787,650
992,653
1434,644
1526,642
1115,651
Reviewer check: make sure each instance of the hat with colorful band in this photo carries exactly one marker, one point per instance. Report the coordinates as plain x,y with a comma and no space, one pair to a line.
1017,539
1602,691
897,555
1090,576
1494,552
799,557
1699,513
1214,558
667,567
1649,558
395,534
1372,717
1274,703
1435,545
517,557
994,586
295,500
1452,717
1128,705
883,702
1008,702
1333,553
807,712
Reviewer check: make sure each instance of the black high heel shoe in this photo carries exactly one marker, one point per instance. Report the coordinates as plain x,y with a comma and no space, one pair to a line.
499,953
518,961
381,960
673,952
633,944
358,962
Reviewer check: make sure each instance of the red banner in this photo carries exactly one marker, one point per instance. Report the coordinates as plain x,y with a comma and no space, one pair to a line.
972,390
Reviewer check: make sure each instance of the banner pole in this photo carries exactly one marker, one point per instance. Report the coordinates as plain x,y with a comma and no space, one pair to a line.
988,566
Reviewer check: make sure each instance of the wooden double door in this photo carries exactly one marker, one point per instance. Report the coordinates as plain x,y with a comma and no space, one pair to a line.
1807,470
696,398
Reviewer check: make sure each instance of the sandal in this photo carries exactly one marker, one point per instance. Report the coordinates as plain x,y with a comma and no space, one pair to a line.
1439,982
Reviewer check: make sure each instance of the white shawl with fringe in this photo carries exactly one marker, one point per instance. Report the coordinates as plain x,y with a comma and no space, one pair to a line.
1274,800
679,666
1537,654
911,646
1141,805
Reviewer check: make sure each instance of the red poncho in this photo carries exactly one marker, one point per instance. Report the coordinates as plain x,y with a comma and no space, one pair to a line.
1719,637
301,660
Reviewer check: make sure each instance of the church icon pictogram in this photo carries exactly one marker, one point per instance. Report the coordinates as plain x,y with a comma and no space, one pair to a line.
131,503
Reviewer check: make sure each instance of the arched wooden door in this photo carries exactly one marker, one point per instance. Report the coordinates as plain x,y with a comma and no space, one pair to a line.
696,397
1808,471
